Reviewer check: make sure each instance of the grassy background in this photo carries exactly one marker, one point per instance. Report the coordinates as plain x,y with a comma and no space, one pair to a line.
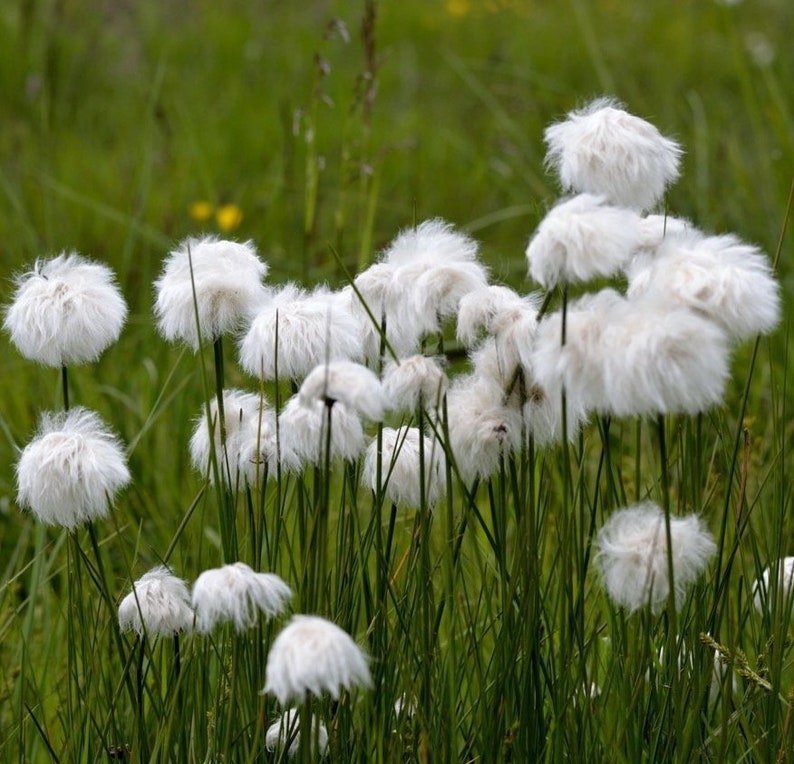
117,119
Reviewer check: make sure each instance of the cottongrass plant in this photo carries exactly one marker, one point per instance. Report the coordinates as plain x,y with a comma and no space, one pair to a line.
71,471
236,593
509,495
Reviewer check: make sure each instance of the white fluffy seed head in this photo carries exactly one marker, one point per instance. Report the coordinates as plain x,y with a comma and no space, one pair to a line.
482,428
435,242
308,328
764,590
313,655
423,275
71,471
383,297
632,556
577,365
400,470
159,603
303,430
236,593
657,359
250,439
602,149
208,285
414,381
352,384
721,277
66,311
583,238
479,309
285,732
434,293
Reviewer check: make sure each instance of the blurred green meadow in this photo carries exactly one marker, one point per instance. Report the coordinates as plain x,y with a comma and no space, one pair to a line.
319,130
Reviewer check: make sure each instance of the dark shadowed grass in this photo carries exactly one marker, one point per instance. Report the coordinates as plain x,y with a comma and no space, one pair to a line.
484,617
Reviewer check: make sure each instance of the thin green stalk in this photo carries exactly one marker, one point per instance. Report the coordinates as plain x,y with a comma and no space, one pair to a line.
65,387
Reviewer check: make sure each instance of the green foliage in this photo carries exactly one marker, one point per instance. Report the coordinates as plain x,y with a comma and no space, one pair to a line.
331,126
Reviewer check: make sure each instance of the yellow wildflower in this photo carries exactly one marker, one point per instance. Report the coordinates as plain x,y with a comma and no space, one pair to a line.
458,8
201,211
229,216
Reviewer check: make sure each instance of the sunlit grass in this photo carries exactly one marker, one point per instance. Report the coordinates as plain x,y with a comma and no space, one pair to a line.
485,619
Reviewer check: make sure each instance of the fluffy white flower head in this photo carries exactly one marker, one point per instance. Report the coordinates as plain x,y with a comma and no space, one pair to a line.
478,310
602,149
719,276
352,384
70,472
434,267
286,729
412,380
66,311
159,603
582,238
385,299
400,467
236,593
632,556
308,328
482,427
303,430
662,359
226,277
576,366
434,242
250,438
762,588
313,655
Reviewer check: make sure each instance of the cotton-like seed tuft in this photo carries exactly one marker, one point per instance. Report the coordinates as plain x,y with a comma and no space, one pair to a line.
602,149
159,603
312,655
70,472
632,556
66,311
208,285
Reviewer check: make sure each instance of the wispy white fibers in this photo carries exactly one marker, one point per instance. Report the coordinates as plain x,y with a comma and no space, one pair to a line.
400,469
542,412
70,472
632,357
658,359
582,238
238,594
418,283
286,730
159,603
313,655
602,149
482,428
250,438
352,384
433,242
412,380
632,556
383,298
578,364
435,266
309,328
506,362
763,587
721,277
303,431
510,323
66,311
208,285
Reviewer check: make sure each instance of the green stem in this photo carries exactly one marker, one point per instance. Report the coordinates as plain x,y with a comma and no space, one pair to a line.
65,387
